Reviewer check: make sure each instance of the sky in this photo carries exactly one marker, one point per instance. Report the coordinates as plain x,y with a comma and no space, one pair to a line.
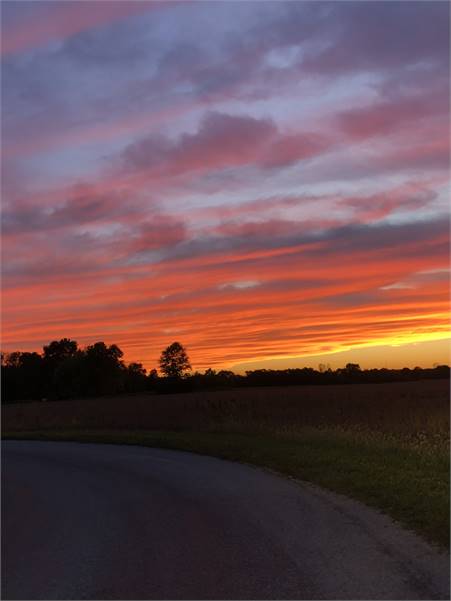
265,182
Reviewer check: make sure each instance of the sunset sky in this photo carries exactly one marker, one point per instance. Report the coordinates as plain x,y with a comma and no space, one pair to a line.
265,182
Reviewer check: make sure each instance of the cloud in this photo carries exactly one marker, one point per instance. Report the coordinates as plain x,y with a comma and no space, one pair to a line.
84,206
417,237
421,279
259,178
392,113
163,231
240,285
304,301
223,141
92,48
408,197
290,149
102,252
218,67
49,22
269,244
383,36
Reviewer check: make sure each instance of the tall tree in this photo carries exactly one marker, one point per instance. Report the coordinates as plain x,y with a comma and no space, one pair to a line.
22,376
54,355
174,361
58,350
104,370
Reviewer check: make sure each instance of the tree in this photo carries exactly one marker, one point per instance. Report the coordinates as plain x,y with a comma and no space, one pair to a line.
69,379
152,380
153,375
103,354
54,355
104,370
58,350
174,361
135,377
22,376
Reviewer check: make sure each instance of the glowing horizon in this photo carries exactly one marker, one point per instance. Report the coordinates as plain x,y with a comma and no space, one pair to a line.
265,182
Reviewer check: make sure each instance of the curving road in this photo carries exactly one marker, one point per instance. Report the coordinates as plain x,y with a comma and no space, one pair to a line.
83,521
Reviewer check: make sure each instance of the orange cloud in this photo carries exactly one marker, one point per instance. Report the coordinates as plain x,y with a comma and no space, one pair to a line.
297,302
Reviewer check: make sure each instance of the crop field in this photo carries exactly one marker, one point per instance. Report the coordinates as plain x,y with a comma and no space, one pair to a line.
384,444
409,410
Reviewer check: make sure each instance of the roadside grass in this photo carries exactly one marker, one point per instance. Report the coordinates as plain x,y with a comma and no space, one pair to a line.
407,478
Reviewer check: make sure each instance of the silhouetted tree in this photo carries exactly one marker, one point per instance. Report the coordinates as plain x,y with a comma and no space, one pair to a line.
54,354
135,377
65,371
71,377
58,350
352,367
152,379
22,376
174,362
227,378
104,370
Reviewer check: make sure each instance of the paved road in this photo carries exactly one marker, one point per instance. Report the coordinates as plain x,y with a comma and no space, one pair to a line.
84,521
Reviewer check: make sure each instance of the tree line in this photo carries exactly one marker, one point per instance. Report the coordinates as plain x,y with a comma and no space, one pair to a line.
64,370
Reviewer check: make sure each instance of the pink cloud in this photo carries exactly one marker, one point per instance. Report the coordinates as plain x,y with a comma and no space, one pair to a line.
409,196
391,114
160,232
292,148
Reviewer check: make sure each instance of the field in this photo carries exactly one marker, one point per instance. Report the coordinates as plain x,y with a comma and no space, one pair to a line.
384,444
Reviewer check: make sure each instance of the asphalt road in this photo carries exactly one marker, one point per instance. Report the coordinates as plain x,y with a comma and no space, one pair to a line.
83,521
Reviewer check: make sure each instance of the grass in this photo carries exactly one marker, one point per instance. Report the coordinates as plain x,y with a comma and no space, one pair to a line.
406,480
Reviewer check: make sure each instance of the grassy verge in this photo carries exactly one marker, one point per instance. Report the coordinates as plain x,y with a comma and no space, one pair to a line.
409,484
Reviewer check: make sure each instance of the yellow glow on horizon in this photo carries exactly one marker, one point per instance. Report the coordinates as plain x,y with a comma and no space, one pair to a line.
394,341
422,351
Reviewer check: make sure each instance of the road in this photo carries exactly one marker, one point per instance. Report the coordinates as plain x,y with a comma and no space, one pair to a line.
84,521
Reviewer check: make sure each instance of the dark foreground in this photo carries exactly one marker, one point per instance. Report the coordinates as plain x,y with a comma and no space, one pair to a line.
84,521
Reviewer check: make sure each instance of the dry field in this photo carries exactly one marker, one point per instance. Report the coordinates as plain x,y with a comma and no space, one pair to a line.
418,411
